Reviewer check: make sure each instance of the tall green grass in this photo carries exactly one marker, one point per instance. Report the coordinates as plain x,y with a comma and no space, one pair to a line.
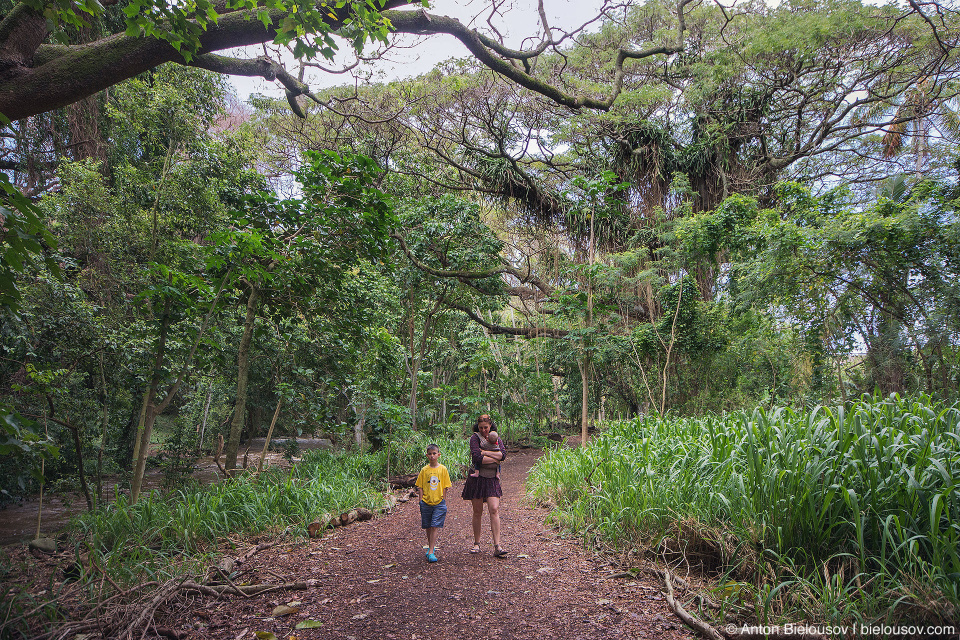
172,534
275,500
808,507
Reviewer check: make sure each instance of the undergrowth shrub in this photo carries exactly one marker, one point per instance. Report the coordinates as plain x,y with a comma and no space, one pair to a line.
841,514
132,542
170,535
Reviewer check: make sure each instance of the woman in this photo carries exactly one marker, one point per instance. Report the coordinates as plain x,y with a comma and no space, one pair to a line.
485,488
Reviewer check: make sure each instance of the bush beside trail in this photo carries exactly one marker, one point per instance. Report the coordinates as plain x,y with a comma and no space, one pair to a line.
839,515
177,535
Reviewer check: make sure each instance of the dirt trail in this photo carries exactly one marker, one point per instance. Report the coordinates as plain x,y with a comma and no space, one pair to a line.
373,582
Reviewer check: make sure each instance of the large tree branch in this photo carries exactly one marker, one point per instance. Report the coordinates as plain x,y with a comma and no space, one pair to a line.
523,332
487,52
22,31
38,78
61,75
525,277
446,273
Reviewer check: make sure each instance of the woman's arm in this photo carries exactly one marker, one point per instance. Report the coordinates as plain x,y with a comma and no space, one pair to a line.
491,457
476,453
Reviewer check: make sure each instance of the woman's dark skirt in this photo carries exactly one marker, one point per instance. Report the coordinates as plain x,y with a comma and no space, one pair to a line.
481,487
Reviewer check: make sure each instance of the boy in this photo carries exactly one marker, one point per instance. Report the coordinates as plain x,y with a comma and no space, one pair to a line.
432,485
490,443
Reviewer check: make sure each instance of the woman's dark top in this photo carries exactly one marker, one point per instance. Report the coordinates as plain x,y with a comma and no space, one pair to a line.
481,487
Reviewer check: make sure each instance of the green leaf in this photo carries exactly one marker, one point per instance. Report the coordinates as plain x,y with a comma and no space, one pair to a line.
309,624
264,17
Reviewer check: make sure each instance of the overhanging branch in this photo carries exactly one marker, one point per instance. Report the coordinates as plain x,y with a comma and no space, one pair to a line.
36,78
522,332
446,273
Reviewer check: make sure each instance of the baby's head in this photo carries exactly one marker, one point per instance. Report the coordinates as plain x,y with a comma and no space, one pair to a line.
493,437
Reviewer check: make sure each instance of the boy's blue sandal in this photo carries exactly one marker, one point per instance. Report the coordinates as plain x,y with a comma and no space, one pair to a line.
431,557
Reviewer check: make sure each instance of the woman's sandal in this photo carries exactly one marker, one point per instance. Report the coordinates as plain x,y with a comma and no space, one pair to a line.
498,552
475,549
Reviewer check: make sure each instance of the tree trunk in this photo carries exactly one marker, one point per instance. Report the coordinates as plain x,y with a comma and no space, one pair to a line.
266,441
206,414
585,361
418,359
243,371
103,432
358,430
148,412
584,399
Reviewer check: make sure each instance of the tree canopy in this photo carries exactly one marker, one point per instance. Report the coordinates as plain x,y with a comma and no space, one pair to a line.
49,57
680,208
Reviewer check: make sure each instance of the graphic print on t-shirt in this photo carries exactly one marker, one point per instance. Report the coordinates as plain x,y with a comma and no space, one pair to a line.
432,481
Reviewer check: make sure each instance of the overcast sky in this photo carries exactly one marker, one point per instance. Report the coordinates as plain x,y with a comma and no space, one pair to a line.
520,20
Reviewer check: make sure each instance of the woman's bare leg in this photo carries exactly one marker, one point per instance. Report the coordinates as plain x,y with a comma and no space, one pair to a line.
493,507
477,518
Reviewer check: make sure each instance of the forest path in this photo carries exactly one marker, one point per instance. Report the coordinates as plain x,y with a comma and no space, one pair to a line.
373,582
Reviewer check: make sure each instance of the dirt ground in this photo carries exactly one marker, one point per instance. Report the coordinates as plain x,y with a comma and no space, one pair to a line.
372,581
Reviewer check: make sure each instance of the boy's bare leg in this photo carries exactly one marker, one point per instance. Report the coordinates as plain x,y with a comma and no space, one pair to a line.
432,534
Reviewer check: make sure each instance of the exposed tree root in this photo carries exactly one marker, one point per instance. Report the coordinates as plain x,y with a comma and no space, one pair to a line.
696,624
730,632
245,591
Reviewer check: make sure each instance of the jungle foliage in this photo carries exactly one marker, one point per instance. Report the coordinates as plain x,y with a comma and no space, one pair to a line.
759,217
840,515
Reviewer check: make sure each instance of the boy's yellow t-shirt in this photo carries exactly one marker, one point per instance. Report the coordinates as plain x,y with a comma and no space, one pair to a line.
432,481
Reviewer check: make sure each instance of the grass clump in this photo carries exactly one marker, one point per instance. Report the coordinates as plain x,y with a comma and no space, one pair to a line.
191,519
167,535
842,515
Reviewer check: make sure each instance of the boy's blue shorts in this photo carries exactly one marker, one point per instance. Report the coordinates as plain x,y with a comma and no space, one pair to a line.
432,515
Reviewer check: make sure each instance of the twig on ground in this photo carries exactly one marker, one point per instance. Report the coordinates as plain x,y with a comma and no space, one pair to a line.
144,621
257,549
248,590
697,625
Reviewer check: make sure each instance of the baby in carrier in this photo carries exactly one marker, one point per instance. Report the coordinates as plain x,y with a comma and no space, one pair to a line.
490,443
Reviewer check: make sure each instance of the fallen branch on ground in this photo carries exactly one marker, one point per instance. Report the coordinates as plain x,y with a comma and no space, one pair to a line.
696,624
248,590
145,619
257,549
729,632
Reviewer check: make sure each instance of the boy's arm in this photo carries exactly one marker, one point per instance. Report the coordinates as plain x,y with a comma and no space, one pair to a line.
419,486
